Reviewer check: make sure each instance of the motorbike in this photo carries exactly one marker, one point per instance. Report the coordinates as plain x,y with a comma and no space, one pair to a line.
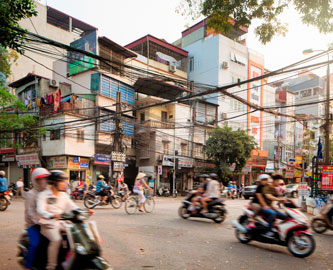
319,224
13,189
5,198
216,209
91,199
165,192
80,246
77,194
291,232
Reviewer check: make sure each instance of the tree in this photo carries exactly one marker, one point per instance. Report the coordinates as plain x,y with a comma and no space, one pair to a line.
11,12
244,12
227,147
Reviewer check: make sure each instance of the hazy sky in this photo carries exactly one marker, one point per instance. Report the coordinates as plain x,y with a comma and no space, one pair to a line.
127,20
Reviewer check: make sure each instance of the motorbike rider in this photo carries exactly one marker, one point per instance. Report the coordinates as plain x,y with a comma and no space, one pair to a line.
199,192
82,187
270,195
327,211
3,182
51,204
100,188
212,192
39,179
138,188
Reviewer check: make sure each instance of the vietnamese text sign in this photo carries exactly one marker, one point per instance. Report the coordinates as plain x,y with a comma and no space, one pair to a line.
303,189
182,161
76,163
118,166
8,157
57,163
118,156
28,159
290,172
101,159
327,178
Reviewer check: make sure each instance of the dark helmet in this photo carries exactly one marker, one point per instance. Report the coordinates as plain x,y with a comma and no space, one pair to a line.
213,175
57,176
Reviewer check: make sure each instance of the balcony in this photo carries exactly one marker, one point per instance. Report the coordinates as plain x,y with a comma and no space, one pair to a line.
144,153
158,124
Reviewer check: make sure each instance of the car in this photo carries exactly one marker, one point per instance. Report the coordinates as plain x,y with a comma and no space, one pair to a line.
249,191
292,190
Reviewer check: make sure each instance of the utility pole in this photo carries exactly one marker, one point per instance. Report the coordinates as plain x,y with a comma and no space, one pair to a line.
174,160
327,117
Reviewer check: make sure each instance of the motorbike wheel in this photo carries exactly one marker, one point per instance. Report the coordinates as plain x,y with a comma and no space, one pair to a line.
149,205
183,213
131,205
221,215
116,202
319,225
89,202
302,245
3,204
174,195
243,237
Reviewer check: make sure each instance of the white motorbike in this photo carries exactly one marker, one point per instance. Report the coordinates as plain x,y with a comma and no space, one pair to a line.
291,232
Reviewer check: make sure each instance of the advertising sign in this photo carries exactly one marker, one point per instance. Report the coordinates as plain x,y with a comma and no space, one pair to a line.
298,172
298,138
57,163
28,159
101,159
182,161
303,189
76,163
8,157
79,62
118,156
118,166
327,178
159,169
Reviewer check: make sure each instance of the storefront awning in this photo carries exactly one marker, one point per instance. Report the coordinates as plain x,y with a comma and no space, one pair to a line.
158,88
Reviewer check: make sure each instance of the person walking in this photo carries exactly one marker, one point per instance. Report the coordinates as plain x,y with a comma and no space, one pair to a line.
19,187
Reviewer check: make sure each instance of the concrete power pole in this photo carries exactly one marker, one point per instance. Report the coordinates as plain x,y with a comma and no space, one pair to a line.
327,117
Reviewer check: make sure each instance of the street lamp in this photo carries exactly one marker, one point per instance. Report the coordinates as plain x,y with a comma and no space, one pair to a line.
327,109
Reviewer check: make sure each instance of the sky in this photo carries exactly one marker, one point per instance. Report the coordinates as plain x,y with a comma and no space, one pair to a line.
124,21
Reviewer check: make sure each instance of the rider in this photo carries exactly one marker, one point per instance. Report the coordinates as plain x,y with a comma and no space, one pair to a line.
100,186
3,182
199,192
39,179
270,195
51,204
82,187
138,188
212,192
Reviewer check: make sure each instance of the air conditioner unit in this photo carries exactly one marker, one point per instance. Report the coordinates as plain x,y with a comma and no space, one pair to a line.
225,65
172,68
53,83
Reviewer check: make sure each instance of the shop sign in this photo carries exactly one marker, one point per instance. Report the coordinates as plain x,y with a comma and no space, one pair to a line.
290,172
77,163
182,161
327,178
118,156
57,163
118,166
101,159
205,165
159,169
299,161
303,189
258,158
292,162
269,167
247,169
167,161
7,150
8,157
28,159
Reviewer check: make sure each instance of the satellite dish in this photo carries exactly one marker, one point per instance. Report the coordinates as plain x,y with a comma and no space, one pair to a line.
168,58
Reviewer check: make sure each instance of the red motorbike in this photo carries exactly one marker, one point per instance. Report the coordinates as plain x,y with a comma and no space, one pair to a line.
4,200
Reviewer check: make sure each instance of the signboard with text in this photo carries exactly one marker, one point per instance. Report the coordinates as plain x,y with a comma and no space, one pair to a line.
76,163
28,159
303,189
118,166
57,162
327,178
183,162
101,159
118,156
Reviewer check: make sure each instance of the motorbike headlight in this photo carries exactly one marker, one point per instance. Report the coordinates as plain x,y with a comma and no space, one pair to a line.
80,249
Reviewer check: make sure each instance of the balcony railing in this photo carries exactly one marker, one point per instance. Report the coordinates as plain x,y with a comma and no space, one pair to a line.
144,153
158,124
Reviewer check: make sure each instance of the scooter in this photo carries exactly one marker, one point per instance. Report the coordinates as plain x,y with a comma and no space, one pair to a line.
5,198
291,232
319,223
80,248
216,210
91,200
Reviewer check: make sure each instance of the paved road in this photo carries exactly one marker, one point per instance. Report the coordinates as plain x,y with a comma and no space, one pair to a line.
162,240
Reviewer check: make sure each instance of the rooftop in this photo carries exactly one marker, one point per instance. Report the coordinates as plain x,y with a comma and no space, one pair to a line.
116,47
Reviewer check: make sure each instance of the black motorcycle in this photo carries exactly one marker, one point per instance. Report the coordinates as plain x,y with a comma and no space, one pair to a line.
91,199
216,210
80,248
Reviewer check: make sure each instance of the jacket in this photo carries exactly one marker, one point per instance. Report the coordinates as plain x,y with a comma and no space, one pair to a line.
212,190
100,185
3,184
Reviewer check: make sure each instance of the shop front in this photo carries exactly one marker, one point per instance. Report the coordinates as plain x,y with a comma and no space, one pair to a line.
101,166
78,169
258,162
9,165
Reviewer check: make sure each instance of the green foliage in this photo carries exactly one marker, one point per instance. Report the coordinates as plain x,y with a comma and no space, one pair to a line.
244,12
11,12
227,147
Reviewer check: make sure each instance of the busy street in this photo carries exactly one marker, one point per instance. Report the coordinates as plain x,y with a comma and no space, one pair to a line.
162,240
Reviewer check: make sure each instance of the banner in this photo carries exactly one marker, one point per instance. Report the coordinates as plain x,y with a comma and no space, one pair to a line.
76,163
101,159
327,178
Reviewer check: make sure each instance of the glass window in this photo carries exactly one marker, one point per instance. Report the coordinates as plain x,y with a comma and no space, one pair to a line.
191,64
55,134
305,93
166,147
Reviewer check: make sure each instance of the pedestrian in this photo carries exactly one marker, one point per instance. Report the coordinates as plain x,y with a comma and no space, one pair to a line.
19,187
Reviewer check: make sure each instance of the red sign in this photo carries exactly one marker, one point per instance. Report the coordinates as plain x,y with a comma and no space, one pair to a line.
327,178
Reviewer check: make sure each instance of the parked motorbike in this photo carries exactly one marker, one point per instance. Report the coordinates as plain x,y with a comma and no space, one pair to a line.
80,247
216,210
91,200
78,194
13,189
5,198
319,223
291,232
165,192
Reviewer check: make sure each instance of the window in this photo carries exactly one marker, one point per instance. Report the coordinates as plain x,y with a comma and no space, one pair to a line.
183,147
305,93
80,136
166,147
191,64
55,134
142,117
164,116
198,150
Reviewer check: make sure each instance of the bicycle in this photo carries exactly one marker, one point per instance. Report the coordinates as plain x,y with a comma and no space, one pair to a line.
132,204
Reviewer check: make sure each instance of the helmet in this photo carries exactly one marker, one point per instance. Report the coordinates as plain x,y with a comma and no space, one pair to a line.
101,176
263,177
213,175
57,176
39,173
203,176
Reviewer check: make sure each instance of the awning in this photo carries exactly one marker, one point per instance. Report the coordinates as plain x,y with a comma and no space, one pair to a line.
158,88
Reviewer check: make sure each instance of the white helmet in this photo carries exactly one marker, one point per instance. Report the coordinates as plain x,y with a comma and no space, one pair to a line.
39,173
263,177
